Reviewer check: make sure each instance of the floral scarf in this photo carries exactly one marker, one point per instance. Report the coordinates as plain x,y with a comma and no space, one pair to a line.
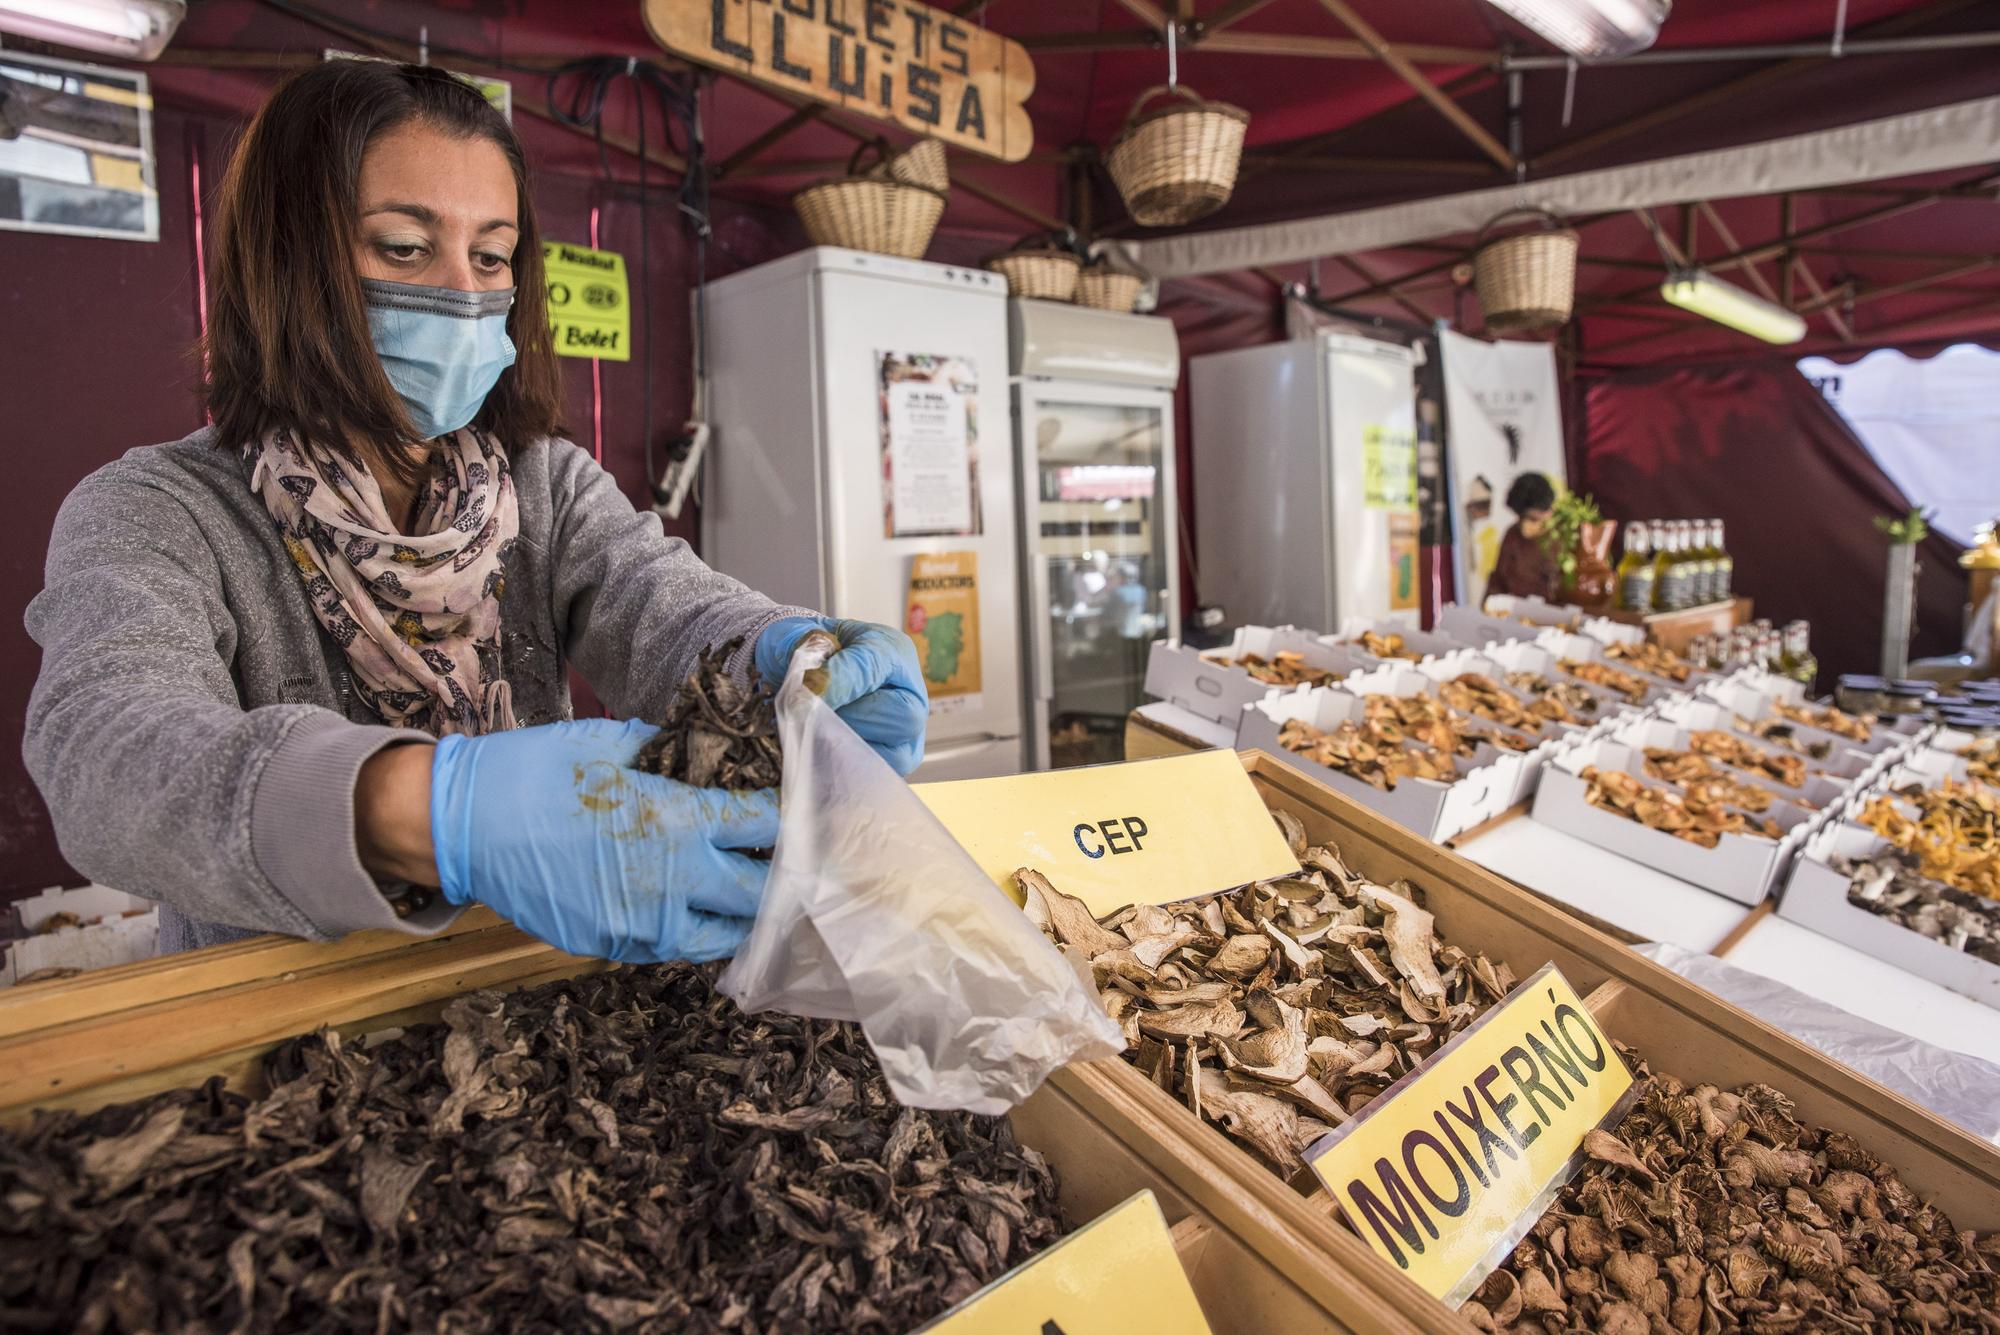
417,614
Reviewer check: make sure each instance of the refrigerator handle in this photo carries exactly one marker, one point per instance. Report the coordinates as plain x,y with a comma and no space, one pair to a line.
1038,602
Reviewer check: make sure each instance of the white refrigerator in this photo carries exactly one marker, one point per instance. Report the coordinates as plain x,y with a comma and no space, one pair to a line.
1100,564
1305,481
861,465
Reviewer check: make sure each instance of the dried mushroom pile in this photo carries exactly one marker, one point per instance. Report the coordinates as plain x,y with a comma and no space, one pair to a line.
1892,885
620,1151
1712,1211
1783,732
1477,693
1287,667
1705,781
1387,646
1787,768
1684,817
1367,752
1575,700
1610,678
1982,761
1279,1010
1954,837
1656,659
1829,719
718,732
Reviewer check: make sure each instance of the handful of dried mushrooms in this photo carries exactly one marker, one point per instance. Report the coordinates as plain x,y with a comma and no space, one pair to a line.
1841,724
1287,667
1652,658
1955,837
1278,1010
718,732
1892,885
1712,1211
620,1151
1787,768
1690,818
1610,678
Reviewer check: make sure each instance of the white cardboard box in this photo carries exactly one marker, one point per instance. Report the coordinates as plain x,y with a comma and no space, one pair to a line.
1750,695
117,929
1492,779
1816,897
1568,645
1475,629
1705,713
1607,631
1528,656
1740,867
1535,611
1820,792
1424,643
1191,679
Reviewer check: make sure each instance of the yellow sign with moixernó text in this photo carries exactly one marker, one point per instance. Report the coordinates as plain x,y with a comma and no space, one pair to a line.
590,304
1446,1171
1118,1273
1145,831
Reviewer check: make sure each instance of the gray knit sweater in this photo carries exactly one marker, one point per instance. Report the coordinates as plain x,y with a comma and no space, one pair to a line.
196,734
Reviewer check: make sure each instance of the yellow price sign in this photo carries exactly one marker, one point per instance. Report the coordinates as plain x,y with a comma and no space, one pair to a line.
1150,831
1117,1273
1444,1174
590,304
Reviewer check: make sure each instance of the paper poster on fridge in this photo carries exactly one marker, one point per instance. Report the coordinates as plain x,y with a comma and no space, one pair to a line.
1503,418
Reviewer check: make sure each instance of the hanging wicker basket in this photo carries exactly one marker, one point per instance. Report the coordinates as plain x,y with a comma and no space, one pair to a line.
922,163
1177,162
870,211
1527,281
1034,268
1108,289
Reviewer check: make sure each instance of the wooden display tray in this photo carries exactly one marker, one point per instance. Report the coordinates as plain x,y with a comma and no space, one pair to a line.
1261,1254
1675,631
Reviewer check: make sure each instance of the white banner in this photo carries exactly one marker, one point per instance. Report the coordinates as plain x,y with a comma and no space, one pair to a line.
1503,418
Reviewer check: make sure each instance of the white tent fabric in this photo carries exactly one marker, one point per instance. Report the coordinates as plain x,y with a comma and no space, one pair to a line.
1933,423
1965,134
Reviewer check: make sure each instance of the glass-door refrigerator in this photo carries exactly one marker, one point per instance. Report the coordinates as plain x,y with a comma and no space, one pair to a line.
1099,558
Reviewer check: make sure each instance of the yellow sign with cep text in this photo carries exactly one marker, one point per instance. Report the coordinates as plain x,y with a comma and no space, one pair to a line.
1145,831
590,303
1117,1273
1447,1171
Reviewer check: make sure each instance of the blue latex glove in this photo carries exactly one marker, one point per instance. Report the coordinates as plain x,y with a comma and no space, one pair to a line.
873,682
553,829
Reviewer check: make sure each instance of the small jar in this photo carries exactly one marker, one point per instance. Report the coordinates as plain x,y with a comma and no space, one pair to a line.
1907,697
1858,694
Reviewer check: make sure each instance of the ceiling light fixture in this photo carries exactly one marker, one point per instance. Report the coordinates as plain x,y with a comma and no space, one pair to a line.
132,29
1703,293
1591,30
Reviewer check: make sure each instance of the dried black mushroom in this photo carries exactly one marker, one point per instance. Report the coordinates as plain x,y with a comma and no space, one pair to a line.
719,732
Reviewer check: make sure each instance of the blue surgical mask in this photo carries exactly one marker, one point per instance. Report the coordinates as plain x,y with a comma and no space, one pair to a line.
443,349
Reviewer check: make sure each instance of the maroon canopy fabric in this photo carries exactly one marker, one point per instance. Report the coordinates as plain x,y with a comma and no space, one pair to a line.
1757,447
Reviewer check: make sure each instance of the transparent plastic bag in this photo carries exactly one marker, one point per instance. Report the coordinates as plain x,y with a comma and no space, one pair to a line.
874,913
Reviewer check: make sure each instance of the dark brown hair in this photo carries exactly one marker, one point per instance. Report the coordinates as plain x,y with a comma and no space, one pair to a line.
287,344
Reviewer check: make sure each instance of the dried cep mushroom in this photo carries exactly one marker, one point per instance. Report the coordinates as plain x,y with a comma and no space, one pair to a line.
626,1150
1280,1009
1855,727
1389,645
1478,694
1705,781
1563,701
1610,678
1982,761
1366,752
1782,732
1954,837
1287,667
1656,659
1787,768
1709,1211
719,732
1688,818
1892,885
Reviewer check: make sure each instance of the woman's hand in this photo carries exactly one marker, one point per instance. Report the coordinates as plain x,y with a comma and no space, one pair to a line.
553,829
873,682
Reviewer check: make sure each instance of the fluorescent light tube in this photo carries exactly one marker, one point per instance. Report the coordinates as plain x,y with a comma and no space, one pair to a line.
1725,303
1591,29
133,29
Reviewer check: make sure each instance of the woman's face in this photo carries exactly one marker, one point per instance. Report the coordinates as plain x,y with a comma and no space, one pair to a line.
436,210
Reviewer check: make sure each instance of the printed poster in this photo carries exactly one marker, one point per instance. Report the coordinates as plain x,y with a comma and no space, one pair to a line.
1388,467
942,616
76,149
1503,417
930,446
590,301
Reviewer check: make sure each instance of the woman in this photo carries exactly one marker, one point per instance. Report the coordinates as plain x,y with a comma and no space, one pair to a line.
1524,565
306,664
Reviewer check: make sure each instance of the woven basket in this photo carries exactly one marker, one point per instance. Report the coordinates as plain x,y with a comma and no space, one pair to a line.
1178,162
1038,271
922,163
1107,289
870,212
1526,282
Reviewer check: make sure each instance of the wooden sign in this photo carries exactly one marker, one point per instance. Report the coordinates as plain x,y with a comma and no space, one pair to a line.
927,71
